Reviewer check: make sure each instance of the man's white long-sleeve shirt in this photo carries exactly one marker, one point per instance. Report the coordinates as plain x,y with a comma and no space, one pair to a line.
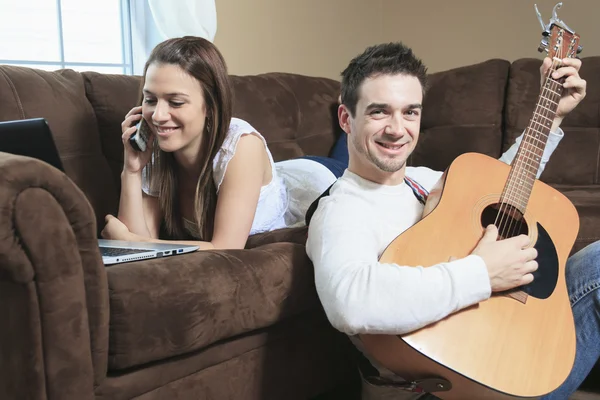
348,233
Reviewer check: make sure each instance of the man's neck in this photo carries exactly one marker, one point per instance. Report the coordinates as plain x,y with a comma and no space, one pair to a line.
374,174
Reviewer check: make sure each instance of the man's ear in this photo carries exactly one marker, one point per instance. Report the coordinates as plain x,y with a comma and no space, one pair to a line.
344,118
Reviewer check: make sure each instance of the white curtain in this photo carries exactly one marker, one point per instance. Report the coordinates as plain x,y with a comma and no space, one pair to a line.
153,21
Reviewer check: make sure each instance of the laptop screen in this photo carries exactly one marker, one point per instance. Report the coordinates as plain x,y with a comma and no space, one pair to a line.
30,138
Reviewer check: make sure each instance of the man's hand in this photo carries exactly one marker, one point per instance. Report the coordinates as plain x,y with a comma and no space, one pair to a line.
510,263
574,86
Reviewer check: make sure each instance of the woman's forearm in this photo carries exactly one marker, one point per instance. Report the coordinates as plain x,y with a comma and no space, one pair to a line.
201,245
131,208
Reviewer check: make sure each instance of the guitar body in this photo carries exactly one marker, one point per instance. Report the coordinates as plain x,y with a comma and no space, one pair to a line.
519,345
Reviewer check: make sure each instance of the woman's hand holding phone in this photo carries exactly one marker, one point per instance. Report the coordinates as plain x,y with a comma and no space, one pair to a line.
135,160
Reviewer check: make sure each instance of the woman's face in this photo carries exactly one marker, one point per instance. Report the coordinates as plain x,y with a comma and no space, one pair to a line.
174,108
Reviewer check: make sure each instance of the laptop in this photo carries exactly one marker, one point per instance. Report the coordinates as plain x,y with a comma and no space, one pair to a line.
33,138
120,251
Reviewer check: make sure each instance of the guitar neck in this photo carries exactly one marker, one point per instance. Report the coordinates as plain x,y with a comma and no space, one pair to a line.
529,155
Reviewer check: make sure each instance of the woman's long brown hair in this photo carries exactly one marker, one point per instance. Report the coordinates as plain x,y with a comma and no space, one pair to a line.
202,60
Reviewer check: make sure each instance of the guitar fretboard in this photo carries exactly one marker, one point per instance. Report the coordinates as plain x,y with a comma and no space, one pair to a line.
529,155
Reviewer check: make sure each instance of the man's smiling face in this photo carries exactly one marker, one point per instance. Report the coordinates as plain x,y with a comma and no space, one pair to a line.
385,128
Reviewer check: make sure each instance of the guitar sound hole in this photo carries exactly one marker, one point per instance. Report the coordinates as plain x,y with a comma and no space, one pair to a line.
508,219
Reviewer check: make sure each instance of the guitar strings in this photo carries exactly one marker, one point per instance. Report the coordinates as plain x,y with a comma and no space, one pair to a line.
509,225
548,115
523,160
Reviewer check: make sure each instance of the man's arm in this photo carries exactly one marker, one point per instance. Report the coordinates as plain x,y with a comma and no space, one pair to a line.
574,91
361,295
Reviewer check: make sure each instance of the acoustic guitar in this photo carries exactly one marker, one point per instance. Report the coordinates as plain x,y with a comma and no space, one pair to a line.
520,343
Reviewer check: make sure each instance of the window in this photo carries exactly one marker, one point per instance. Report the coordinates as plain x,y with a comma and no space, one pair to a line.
84,35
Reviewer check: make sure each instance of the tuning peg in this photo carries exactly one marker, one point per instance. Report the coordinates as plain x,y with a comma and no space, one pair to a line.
543,45
579,49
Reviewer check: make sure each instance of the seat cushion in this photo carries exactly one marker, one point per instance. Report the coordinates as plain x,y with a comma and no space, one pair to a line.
171,306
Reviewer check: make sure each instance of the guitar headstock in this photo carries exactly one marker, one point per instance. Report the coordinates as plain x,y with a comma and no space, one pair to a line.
558,40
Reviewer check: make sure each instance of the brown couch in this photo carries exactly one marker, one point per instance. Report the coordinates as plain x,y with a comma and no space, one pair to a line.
237,324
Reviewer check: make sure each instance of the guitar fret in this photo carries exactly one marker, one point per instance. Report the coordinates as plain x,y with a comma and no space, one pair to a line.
548,127
553,96
552,91
550,80
527,174
544,135
537,114
551,101
531,170
546,108
529,156
523,161
528,141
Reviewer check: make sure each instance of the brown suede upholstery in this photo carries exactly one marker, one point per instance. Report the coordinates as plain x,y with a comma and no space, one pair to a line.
236,324
60,98
460,117
54,296
296,114
235,292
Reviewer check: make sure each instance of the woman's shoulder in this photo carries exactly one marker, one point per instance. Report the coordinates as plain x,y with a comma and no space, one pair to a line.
237,129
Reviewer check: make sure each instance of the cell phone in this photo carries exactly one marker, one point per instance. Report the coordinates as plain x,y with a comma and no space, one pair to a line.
139,139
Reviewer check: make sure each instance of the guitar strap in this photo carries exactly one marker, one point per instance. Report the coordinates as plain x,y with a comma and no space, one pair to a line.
418,190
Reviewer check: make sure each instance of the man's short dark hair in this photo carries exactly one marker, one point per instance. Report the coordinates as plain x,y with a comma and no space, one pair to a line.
382,59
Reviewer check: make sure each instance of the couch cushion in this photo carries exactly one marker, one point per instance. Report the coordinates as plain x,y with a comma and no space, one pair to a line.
575,161
59,97
296,114
292,235
586,198
166,307
112,96
462,112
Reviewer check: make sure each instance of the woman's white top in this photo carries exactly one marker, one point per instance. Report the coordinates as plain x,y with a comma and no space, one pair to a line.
282,202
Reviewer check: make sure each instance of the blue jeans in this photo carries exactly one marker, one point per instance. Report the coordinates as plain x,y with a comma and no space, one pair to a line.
583,281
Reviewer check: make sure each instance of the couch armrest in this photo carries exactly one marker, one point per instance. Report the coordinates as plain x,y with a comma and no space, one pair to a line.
53,288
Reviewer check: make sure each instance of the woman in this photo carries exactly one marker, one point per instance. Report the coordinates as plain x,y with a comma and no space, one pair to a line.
205,176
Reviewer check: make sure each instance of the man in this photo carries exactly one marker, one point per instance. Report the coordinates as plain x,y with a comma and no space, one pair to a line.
372,203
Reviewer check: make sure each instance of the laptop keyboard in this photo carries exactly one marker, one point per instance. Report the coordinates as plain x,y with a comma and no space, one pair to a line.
118,251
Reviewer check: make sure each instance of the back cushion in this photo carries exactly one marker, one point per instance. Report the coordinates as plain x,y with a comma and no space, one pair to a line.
462,112
59,97
575,161
112,97
296,114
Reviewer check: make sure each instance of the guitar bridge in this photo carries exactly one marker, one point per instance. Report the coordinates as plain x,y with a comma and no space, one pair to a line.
518,295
